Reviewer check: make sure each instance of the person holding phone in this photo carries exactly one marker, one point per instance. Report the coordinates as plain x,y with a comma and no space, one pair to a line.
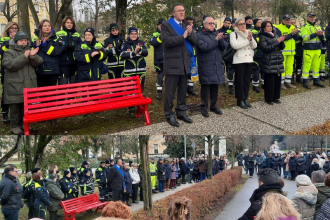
133,53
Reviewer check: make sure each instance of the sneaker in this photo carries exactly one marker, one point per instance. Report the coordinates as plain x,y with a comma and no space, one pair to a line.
5,118
256,89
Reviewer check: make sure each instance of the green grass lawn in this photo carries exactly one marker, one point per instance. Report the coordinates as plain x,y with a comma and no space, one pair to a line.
119,120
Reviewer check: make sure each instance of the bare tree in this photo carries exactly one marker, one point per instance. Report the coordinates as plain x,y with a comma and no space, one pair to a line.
6,10
146,180
14,149
23,17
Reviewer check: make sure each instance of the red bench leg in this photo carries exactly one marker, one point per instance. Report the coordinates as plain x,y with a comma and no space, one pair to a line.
139,110
146,115
26,129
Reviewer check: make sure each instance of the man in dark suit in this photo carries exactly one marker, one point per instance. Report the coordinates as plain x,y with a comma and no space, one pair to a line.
176,65
116,180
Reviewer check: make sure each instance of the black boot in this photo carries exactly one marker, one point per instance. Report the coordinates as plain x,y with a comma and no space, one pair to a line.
231,90
159,95
241,104
322,78
306,84
256,89
317,83
5,118
191,91
298,78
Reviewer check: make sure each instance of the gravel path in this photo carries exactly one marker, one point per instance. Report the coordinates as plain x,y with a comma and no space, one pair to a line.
296,112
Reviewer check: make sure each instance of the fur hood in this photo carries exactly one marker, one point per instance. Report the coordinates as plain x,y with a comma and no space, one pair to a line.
307,193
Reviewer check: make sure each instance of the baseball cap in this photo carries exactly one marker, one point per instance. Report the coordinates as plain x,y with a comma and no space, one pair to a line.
310,14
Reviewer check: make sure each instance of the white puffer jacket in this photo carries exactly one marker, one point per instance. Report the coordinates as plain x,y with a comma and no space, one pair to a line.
134,175
244,48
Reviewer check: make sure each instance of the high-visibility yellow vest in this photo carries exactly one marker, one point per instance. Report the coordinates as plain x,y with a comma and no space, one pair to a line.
290,45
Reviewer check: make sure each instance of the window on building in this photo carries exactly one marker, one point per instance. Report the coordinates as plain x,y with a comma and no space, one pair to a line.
155,148
2,28
36,7
216,25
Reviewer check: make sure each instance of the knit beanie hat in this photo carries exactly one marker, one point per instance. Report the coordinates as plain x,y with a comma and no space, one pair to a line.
72,169
303,180
90,30
20,35
84,162
248,17
160,21
66,172
255,20
227,19
35,170
131,29
113,26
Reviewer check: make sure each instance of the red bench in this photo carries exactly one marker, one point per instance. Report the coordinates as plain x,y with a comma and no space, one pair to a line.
53,102
81,204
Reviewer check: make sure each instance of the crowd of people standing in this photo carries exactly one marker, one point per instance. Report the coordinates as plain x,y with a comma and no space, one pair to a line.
244,49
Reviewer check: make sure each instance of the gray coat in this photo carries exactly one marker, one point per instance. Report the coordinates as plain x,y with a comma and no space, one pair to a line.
210,67
11,193
304,201
176,56
19,72
55,195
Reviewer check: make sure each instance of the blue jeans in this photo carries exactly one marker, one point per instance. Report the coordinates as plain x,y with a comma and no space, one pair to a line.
189,177
201,176
10,214
285,173
161,185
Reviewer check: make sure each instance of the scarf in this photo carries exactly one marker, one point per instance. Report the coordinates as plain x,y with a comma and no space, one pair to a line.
193,67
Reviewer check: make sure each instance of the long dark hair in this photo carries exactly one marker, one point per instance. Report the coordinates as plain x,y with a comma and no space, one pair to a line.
264,24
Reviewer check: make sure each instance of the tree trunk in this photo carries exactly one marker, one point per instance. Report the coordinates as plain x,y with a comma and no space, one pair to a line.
146,180
97,9
121,6
23,17
209,158
27,152
12,151
33,12
42,140
52,11
8,10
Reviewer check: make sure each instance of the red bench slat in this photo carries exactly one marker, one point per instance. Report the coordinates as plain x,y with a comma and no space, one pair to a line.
78,89
52,102
81,204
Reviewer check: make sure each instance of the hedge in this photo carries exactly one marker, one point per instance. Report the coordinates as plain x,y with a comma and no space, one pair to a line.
202,196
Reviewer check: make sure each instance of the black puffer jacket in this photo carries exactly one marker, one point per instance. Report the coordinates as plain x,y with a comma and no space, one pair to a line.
272,60
11,192
210,68
256,199
301,164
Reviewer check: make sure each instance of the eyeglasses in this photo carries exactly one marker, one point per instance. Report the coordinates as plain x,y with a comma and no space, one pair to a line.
241,24
211,23
13,28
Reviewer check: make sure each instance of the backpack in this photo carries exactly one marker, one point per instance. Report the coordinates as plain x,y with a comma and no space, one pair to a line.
229,53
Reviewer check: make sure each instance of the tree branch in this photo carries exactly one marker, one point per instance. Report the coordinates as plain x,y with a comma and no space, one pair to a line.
33,12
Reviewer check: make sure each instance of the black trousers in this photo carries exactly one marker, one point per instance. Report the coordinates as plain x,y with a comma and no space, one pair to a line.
117,195
135,188
272,87
4,107
125,198
141,193
209,91
115,72
243,73
16,114
47,80
68,74
173,83
293,174
52,215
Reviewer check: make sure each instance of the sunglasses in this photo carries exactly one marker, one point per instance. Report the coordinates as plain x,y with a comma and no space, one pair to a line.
241,24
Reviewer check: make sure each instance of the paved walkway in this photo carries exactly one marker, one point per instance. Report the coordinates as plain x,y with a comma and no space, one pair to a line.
241,198
159,196
296,112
